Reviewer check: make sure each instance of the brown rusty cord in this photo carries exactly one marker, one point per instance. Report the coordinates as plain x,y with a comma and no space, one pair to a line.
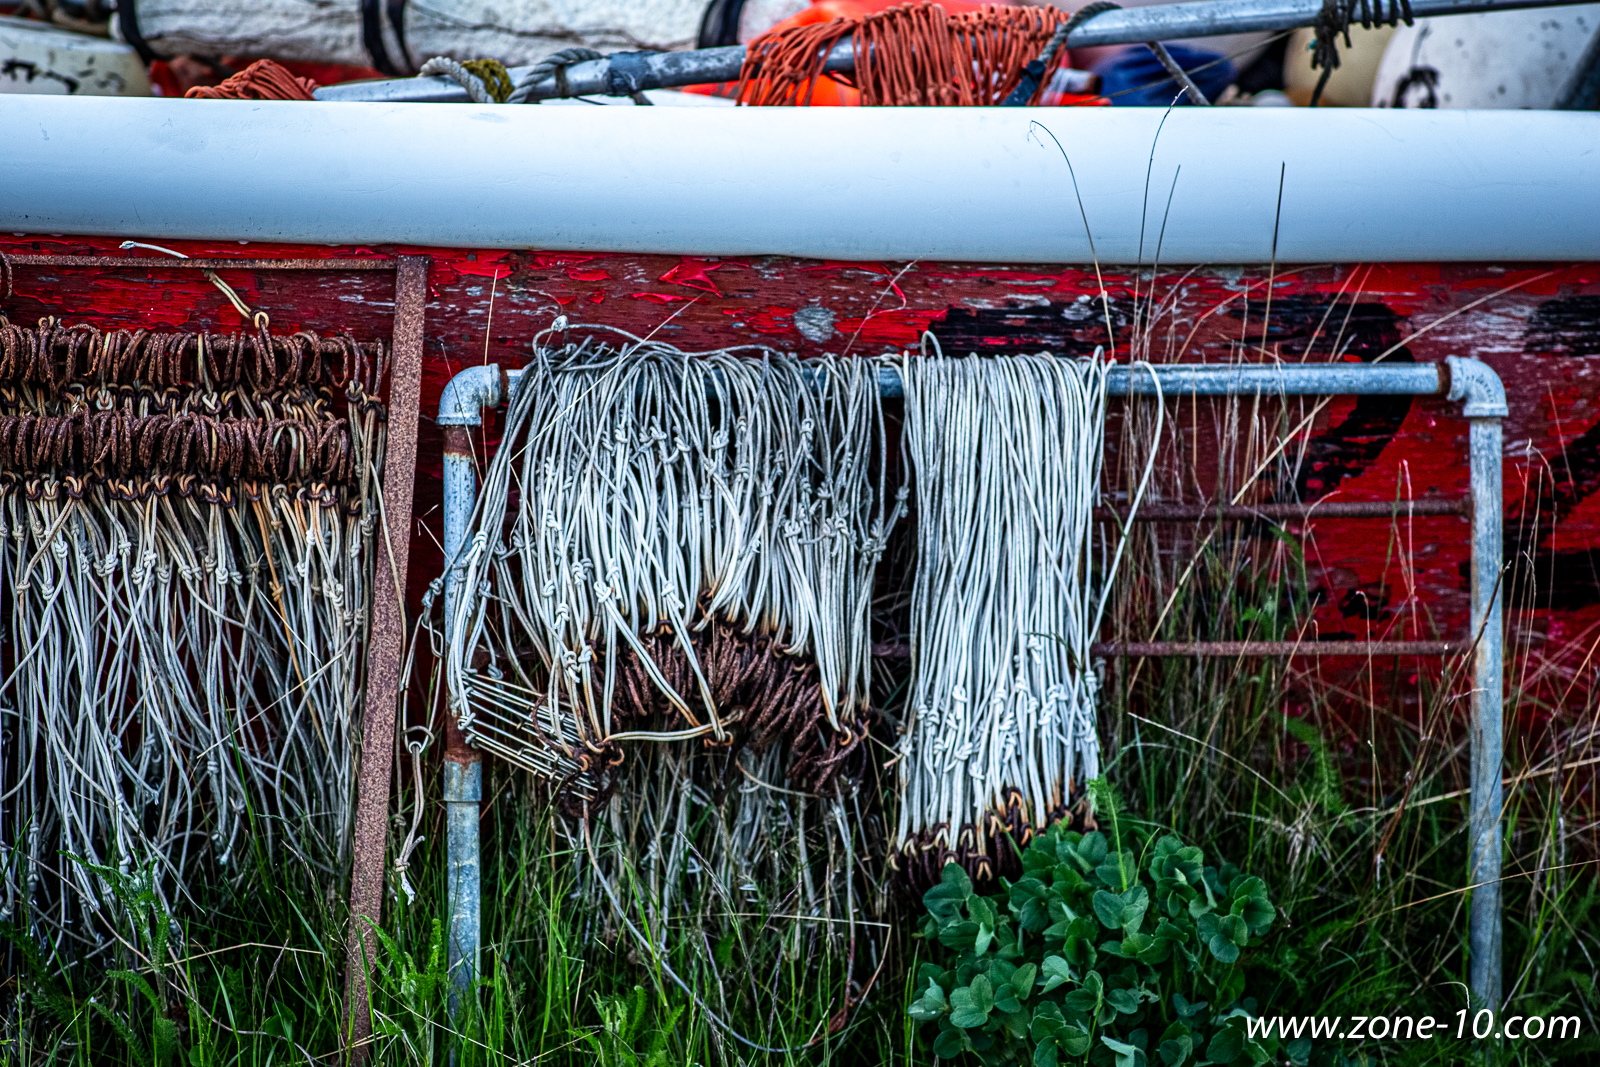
913,55
188,530
142,414
261,80
780,697
922,859
52,355
112,445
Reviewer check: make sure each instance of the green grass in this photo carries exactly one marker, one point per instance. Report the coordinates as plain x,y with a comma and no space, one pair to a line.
261,982
1347,794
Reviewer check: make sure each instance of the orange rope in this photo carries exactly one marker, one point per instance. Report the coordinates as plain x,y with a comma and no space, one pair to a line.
261,80
913,55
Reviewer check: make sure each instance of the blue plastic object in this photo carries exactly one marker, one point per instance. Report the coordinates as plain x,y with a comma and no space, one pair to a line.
1136,77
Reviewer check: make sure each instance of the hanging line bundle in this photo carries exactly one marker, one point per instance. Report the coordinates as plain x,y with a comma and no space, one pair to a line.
916,55
1006,457
1334,21
689,551
665,610
186,551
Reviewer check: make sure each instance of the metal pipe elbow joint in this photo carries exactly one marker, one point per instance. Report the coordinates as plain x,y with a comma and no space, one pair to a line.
1474,382
468,393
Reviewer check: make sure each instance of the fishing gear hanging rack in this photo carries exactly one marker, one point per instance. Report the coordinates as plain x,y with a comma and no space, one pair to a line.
182,363
1459,379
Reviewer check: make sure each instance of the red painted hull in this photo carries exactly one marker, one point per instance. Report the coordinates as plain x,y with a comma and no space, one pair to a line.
1537,326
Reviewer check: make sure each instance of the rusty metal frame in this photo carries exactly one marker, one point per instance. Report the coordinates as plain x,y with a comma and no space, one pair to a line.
1311,647
386,638
156,262
385,645
1354,509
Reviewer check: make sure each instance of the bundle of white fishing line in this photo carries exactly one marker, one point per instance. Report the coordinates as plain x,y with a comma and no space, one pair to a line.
186,552
665,603
1006,457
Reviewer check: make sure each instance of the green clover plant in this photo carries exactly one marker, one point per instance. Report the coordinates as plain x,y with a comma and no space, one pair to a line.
1096,954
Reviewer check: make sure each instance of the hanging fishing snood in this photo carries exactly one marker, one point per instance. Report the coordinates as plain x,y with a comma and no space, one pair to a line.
1006,455
186,551
665,606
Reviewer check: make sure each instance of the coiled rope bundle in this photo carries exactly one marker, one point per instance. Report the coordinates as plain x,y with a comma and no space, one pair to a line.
913,55
186,557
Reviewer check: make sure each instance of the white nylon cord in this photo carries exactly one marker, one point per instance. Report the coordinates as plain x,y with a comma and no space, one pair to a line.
649,506
1005,454
186,668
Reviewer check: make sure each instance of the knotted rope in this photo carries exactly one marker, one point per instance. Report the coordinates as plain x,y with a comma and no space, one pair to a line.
917,54
485,80
1334,20
1006,454
556,64
665,611
187,527
261,80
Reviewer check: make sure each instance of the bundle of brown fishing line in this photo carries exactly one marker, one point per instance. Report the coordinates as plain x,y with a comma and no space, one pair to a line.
912,55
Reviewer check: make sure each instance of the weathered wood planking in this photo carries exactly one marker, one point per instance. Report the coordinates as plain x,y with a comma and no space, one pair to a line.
1538,326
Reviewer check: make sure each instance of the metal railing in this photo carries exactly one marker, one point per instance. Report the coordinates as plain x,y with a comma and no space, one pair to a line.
1467,381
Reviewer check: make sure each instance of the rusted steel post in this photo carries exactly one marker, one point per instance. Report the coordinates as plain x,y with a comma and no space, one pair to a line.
386,645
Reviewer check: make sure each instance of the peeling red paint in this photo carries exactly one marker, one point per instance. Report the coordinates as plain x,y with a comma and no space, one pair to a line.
693,272
483,270
977,307
772,320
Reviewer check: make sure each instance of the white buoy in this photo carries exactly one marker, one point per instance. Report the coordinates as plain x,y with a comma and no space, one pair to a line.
38,58
1500,59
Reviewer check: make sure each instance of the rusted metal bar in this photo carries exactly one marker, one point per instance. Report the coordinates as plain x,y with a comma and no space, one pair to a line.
1355,509
161,262
386,645
1222,649
1227,649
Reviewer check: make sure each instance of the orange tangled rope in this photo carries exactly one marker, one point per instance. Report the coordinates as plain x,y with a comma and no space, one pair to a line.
916,55
261,80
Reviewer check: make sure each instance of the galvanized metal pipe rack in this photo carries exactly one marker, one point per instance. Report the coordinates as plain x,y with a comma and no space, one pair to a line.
1463,380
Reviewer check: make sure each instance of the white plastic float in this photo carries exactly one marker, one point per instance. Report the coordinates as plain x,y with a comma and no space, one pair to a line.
1499,59
37,58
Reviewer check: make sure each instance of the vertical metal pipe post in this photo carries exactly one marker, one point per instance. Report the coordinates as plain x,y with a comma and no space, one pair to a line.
1485,406
463,764
1487,715
460,408
1483,400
